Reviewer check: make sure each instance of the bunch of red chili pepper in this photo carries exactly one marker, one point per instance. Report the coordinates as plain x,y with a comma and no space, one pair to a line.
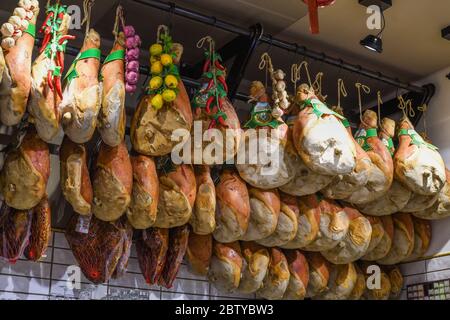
216,89
54,45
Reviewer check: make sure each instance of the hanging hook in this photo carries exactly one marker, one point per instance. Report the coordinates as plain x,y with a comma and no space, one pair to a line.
342,91
379,104
361,88
87,8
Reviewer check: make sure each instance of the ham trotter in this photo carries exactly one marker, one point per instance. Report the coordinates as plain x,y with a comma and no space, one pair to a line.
382,173
226,266
15,229
178,242
47,69
40,232
203,220
24,177
151,247
112,116
176,197
17,45
81,97
255,265
145,195
112,182
98,251
418,164
320,138
199,252
233,208
74,177
127,235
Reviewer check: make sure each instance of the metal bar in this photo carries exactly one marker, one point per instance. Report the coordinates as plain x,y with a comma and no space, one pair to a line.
293,47
244,54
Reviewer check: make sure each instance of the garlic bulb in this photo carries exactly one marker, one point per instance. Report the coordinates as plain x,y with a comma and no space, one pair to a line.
277,113
25,24
8,43
15,21
7,29
17,35
35,3
20,12
279,75
26,4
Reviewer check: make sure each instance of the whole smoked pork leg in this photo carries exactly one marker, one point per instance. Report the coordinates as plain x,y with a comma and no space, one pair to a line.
203,220
226,266
256,260
74,177
151,247
398,195
178,243
320,138
98,251
382,173
418,164
41,230
44,98
145,195
15,229
112,116
233,208
24,177
15,82
82,92
199,252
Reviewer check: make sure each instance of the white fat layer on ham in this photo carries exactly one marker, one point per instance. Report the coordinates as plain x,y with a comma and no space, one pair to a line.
329,147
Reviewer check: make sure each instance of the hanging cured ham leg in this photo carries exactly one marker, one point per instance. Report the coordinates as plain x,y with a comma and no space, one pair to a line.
17,46
47,69
418,164
74,177
203,219
81,97
398,196
24,177
255,265
199,252
166,107
112,116
40,231
151,248
226,266
321,139
382,173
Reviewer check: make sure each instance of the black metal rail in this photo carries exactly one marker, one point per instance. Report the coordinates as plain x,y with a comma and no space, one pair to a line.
292,47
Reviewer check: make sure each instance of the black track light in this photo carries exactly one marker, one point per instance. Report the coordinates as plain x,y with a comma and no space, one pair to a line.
374,42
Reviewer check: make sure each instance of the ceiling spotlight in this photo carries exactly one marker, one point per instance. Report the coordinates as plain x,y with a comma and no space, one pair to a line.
374,42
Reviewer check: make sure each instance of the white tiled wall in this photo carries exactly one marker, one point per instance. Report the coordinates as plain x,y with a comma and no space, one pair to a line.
47,280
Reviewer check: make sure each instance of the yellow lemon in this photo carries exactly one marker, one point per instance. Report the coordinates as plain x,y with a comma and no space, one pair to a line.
171,81
156,49
157,102
157,68
153,59
166,59
156,83
169,95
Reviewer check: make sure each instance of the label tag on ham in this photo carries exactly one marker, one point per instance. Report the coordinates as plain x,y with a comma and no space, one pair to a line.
320,109
389,144
362,135
93,53
83,224
416,139
261,116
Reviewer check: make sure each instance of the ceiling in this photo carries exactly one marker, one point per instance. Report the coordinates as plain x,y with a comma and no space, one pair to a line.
413,47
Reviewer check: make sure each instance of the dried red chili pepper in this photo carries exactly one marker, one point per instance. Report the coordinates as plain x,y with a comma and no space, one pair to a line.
221,79
208,104
219,66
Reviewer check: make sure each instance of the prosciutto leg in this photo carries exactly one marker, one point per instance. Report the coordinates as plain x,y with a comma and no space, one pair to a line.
15,81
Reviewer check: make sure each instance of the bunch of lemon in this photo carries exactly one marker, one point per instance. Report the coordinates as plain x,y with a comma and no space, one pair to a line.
164,84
